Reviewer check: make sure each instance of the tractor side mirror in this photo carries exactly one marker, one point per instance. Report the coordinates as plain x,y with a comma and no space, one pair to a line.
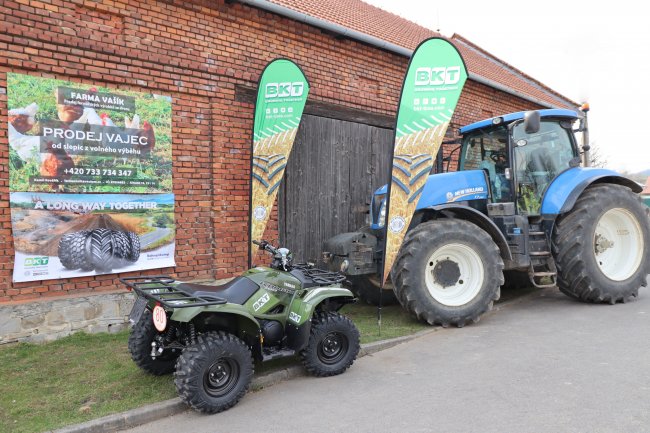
532,121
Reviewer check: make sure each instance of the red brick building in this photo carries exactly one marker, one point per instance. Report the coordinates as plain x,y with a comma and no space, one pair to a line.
208,55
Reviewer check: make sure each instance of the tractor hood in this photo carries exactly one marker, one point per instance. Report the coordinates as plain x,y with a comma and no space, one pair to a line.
440,189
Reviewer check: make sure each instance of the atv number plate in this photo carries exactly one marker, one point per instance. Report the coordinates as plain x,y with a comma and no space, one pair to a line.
159,318
137,310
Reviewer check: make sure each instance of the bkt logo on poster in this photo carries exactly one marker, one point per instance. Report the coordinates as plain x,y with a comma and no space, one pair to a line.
36,261
283,90
437,76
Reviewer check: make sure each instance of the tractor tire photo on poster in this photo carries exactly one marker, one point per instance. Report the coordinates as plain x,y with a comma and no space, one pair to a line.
99,249
72,251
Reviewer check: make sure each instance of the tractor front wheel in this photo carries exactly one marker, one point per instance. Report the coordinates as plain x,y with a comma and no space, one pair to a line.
602,247
448,272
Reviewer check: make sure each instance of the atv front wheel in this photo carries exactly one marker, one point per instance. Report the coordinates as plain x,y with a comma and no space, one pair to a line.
367,288
602,246
214,373
140,339
448,272
333,345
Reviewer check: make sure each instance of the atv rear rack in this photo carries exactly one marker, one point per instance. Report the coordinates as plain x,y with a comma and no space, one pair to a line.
158,288
319,276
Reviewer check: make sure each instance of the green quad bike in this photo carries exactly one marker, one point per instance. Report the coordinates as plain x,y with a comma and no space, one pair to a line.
209,335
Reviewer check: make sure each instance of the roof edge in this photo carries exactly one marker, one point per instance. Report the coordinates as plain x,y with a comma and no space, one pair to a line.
546,88
327,25
380,43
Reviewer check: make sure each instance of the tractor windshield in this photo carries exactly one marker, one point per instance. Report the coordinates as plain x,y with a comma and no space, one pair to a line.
539,158
486,149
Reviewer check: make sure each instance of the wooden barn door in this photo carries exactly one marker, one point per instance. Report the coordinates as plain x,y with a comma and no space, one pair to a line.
334,168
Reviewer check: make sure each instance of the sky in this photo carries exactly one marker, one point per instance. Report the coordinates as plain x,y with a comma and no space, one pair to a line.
589,51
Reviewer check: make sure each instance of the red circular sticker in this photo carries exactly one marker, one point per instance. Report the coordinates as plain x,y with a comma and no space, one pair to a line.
159,318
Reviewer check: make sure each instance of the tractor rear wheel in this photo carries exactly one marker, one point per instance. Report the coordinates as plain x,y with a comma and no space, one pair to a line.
448,272
602,247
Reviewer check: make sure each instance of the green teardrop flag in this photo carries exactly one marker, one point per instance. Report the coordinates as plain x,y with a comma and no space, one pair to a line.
281,96
434,80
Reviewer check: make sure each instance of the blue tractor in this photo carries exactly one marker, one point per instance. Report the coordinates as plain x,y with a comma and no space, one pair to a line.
520,210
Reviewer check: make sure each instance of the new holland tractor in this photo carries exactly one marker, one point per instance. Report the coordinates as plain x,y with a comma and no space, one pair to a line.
520,204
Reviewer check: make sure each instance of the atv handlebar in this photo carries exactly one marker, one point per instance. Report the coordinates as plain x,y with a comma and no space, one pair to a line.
264,245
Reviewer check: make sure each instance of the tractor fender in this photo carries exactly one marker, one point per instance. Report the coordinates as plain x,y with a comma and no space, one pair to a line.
302,311
483,221
562,194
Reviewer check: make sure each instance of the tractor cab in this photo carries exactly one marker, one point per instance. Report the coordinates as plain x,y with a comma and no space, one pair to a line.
521,154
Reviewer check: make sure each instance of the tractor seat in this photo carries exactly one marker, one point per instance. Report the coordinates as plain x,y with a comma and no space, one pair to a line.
237,291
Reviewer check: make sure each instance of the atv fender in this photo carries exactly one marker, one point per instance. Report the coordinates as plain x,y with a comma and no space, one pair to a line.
301,313
246,324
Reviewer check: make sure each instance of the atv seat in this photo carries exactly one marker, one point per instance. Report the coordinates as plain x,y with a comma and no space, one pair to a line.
237,291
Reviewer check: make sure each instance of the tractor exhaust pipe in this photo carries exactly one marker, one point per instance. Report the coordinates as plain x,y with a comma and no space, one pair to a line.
586,159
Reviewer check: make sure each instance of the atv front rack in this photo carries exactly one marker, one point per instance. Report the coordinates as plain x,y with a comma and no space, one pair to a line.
319,276
159,288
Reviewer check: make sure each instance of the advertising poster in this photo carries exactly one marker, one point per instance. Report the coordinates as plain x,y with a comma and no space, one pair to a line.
73,235
71,137
432,86
281,97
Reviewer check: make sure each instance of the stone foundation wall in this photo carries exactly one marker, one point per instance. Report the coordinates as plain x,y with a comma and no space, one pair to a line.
47,320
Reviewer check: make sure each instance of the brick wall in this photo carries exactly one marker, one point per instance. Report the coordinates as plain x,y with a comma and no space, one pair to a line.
196,52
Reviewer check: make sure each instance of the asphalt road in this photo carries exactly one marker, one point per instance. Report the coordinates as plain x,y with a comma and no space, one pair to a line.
154,236
545,364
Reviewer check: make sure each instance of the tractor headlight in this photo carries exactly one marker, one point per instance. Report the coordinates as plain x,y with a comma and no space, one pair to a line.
377,206
382,214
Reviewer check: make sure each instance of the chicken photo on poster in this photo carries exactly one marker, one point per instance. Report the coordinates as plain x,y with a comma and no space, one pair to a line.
71,235
73,137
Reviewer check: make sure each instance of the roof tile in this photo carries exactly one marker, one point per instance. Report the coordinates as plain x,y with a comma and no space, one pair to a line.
371,20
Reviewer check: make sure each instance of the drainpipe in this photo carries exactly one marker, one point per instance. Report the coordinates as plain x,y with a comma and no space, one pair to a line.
371,40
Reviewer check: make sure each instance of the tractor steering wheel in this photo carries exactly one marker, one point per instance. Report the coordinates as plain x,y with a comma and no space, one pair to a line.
497,157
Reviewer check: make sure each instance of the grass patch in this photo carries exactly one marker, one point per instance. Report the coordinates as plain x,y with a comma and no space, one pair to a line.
83,377
395,322
72,380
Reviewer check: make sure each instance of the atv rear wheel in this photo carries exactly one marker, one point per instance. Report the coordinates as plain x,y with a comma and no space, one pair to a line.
140,339
333,345
448,272
601,247
366,287
214,373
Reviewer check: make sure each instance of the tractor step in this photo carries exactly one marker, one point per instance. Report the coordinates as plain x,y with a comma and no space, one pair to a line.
269,354
549,273
536,233
540,253
536,278
544,274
